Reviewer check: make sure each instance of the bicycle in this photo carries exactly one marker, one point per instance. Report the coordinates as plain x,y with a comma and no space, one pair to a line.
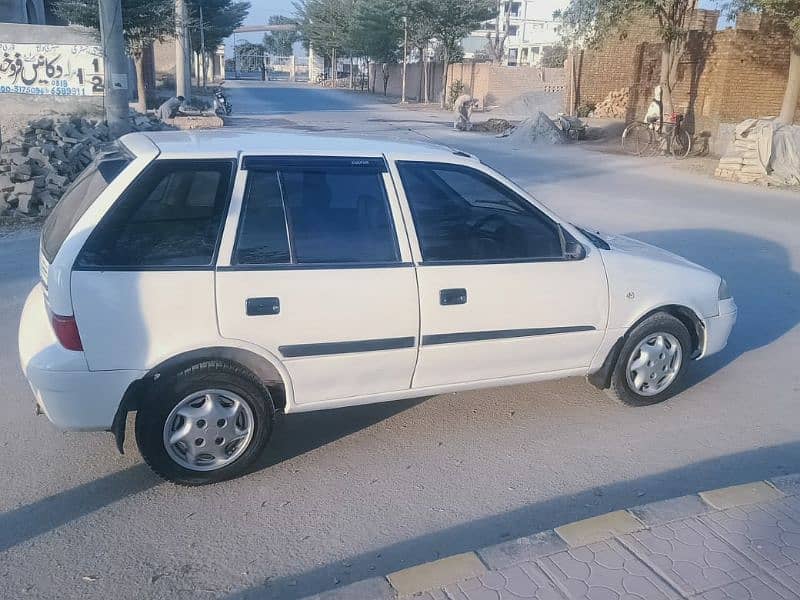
645,139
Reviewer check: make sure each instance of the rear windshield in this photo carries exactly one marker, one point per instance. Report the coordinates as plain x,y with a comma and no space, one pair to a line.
78,198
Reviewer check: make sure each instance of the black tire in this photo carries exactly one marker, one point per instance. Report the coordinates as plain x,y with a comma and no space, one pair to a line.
657,323
170,389
681,144
637,139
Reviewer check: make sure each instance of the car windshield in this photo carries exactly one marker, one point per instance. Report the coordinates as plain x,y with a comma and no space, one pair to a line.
79,197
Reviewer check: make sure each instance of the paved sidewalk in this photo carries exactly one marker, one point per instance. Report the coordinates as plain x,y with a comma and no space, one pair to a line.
741,542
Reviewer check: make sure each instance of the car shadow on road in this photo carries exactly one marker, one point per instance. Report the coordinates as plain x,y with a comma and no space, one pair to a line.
52,512
722,471
760,276
296,434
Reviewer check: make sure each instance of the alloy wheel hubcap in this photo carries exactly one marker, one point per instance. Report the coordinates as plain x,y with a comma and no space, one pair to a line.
654,364
208,430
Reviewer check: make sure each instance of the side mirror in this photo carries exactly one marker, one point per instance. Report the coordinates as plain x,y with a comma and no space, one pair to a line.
573,250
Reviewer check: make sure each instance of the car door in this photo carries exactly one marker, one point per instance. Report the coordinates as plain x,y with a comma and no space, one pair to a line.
499,295
318,276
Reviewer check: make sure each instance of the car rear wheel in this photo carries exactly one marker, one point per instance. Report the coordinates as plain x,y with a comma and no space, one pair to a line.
207,423
652,361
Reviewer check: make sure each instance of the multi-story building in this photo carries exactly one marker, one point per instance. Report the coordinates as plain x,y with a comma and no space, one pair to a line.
527,37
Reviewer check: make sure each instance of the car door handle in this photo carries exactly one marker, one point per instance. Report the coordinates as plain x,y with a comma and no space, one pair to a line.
262,306
452,296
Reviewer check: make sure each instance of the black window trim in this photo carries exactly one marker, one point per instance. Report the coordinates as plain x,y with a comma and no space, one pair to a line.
155,163
489,261
278,164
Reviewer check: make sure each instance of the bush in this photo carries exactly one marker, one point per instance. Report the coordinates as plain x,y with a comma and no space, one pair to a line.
585,108
456,89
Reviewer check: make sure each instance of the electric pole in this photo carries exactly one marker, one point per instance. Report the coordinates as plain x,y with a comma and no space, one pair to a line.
116,66
202,47
405,58
183,70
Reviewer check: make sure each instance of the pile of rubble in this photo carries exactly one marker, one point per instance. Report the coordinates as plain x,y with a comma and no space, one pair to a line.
763,151
614,106
538,129
492,125
37,165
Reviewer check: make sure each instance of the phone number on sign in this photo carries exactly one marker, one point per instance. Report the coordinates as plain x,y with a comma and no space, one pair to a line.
42,91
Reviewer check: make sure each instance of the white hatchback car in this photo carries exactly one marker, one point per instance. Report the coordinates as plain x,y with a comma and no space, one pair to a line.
208,280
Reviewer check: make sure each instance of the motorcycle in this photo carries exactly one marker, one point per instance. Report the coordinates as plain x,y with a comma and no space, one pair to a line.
221,103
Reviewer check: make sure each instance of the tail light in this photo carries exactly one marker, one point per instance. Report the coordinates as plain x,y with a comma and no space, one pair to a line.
66,330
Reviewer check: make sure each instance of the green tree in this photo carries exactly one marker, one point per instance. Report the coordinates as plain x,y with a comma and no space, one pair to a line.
281,42
377,32
220,18
143,21
592,21
496,40
786,14
326,25
554,56
451,21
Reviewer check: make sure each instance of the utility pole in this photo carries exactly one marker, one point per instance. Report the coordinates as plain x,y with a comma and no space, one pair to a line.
183,69
405,58
116,66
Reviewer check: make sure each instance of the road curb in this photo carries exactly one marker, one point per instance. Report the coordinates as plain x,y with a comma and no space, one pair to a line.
424,577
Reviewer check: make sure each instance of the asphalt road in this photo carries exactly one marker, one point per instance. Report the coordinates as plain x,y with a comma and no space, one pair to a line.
348,494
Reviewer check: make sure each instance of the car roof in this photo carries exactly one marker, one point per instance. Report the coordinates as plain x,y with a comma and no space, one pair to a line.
232,142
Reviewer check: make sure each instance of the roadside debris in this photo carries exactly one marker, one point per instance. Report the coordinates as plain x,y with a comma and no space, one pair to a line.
763,151
492,126
538,129
614,106
39,163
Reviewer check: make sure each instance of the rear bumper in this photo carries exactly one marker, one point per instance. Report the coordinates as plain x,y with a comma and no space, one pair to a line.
718,329
71,396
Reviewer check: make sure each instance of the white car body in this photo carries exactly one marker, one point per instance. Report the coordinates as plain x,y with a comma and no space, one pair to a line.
522,321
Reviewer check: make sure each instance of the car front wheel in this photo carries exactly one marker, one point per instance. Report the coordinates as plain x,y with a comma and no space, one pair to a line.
652,361
205,424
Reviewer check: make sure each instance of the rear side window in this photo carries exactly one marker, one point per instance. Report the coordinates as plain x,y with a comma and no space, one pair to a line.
171,216
77,200
316,214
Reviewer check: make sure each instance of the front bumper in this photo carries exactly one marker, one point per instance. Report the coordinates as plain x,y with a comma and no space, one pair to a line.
72,396
718,329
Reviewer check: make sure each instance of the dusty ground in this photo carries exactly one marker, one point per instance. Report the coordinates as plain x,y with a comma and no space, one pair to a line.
343,495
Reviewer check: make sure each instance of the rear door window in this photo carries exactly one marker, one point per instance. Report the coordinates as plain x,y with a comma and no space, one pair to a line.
171,216
78,198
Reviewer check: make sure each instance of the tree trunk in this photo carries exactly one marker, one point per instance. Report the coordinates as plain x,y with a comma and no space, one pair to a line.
426,67
334,70
445,65
420,49
664,79
141,94
351,71
792,92
205,70
385,71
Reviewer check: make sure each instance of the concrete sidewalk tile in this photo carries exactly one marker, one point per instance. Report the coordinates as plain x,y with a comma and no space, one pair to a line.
688,555
767,534
376,588
604,570
525,580
436,574
523,549
598,528
788,484
751,588
738,495
664,511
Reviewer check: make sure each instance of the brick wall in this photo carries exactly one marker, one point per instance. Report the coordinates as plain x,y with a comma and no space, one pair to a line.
723,76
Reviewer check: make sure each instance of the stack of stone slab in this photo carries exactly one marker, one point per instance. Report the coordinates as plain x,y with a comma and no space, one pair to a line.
747,158
37,165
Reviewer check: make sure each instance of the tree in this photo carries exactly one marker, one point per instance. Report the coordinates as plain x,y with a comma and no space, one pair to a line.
451,21
143,21
377,32
281,42
554,56
220,18
786,14
420,35
325,24
594,20
496,40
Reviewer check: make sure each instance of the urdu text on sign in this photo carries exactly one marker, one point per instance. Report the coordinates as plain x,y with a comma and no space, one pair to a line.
51,69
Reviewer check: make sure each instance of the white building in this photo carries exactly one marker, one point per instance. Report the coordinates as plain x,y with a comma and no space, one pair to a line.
527,36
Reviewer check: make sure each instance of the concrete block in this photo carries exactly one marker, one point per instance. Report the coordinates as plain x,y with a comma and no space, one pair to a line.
525,549
434,574
658,513
376,588
739,495
24,187
6,184
599,528
24,203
